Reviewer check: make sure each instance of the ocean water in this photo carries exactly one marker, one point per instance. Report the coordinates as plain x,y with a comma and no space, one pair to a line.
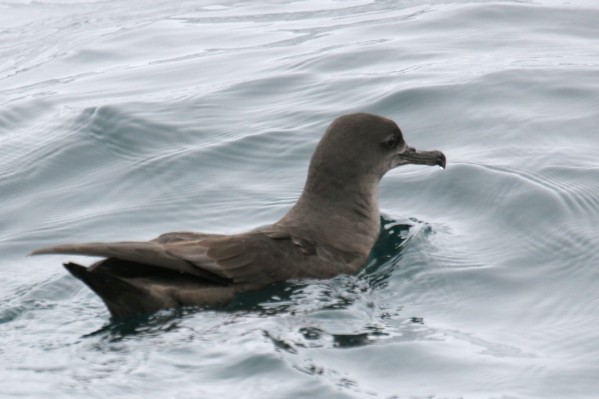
121,120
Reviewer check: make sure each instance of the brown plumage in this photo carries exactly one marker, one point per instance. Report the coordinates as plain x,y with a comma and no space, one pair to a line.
329,231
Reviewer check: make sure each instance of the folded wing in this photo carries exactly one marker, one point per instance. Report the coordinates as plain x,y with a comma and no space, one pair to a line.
251,258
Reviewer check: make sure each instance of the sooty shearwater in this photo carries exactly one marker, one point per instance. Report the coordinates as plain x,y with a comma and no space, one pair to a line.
329,231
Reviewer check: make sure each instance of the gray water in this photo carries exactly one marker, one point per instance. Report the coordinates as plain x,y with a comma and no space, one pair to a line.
121,120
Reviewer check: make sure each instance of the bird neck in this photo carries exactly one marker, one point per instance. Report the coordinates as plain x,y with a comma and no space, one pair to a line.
343,216
354,202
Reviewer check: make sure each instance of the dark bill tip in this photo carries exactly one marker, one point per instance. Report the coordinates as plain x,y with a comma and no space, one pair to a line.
429,158
441,160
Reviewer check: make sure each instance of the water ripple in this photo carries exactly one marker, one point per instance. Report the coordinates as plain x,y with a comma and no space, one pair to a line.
122,120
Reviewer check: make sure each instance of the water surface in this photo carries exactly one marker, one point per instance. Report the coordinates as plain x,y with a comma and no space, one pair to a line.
124,120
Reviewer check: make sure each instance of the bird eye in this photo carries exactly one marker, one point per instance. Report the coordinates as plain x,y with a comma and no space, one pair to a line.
391,142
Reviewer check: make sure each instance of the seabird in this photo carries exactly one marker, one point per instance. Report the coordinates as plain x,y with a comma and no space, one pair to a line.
329,231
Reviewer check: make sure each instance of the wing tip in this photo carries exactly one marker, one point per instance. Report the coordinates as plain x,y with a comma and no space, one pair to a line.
54,250
41,251
65,249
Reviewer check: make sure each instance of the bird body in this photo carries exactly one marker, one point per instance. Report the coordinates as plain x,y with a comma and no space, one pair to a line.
329,231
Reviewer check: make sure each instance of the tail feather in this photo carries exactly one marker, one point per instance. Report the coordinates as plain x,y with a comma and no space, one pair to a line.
122,297
131,289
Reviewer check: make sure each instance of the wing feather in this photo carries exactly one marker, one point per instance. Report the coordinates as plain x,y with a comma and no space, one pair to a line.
257,257
150,253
